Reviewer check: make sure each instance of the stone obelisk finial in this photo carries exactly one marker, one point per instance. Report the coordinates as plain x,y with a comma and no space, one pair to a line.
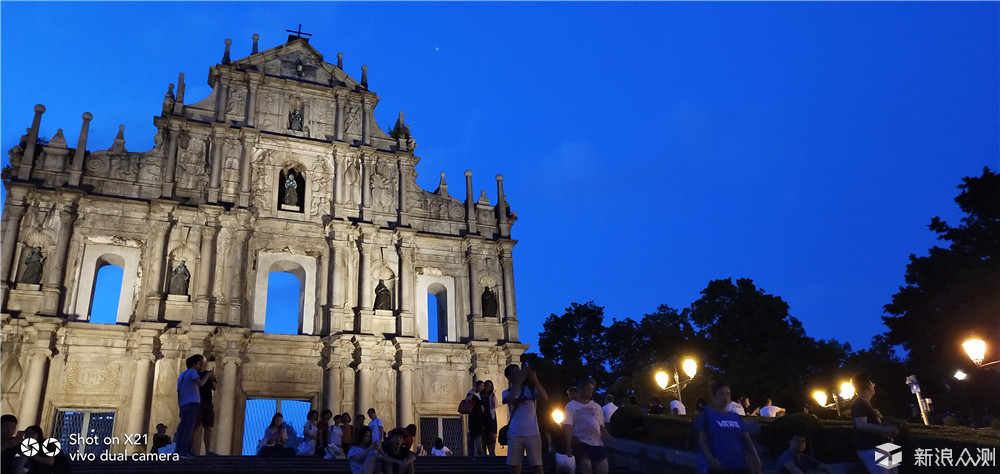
225,56
255,38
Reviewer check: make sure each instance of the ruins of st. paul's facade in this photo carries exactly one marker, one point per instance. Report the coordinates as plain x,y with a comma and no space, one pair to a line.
282,168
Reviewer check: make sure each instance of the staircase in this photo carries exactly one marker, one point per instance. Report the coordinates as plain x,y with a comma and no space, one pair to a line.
255,465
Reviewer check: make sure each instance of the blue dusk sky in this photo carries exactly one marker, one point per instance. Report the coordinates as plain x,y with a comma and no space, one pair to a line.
647,148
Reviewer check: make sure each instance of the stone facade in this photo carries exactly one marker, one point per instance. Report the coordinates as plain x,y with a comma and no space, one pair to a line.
281,168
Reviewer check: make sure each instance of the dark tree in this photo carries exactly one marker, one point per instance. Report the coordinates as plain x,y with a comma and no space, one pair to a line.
757,346
953,292
575,342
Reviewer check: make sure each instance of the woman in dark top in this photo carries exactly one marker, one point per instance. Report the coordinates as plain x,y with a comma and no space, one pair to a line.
476,419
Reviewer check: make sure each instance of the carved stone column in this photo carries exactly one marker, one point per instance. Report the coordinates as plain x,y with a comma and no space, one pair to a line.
217,139
338,133
140,394
407,280
40,353
28,159
365,285
470,204
221,105
76,170
368,162
367,106
509,309
502,209
227,406
406,174
249,140
405,397
253,91
57,263
472,260
11,230
236,280
332,374
155,283
205,264
363,389
339,272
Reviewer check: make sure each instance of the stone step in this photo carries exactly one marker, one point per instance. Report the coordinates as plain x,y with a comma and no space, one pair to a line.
255,465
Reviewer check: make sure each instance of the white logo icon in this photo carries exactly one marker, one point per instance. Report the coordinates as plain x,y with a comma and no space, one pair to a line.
51,447
888,455
29,447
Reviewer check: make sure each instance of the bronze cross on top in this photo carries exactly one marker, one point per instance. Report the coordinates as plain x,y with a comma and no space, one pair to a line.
299,33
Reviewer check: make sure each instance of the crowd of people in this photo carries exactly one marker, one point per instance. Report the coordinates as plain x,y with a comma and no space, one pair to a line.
723,439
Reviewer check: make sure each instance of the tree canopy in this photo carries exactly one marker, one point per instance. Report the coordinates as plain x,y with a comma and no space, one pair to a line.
953,292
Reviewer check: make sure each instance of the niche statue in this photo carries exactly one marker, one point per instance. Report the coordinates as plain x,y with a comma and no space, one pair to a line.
179,279
489,303
33,267
295,120
291,190
382,297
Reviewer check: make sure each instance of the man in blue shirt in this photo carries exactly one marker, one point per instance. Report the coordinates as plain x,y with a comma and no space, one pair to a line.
189,399
722,436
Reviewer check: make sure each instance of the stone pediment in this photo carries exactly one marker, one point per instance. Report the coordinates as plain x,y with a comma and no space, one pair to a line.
297,60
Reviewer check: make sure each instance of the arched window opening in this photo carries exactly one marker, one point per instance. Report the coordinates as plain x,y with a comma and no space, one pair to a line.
432,321
284,303
107,294
437,313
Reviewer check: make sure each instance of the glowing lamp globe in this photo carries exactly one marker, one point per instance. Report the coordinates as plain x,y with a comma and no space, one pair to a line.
960,375
690,367
976,349
662,379
820,398
557,416
846,391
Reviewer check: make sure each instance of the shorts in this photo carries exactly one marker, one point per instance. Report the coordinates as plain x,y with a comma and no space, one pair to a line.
206,416
517,446
593,453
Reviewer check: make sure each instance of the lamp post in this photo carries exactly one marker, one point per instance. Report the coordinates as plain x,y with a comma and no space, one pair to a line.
976,349
846,393
663,378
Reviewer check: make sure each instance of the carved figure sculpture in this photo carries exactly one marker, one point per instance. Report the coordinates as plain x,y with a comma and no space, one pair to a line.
489,303
382,297
295,120
291,190
179,279
33,267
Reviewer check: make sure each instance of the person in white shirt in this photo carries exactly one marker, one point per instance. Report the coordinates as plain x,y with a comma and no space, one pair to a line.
771,411
523,437
440,449
736,407
585,430
677,408
609,407
378,431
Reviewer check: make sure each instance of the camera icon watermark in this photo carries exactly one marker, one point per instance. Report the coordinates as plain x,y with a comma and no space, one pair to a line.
888,455
50,447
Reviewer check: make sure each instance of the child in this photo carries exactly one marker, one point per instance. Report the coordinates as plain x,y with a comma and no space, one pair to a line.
440,449
160,439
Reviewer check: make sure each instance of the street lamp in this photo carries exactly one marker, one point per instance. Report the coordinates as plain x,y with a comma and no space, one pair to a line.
960,375
557,416
663,378
976,348
846,393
